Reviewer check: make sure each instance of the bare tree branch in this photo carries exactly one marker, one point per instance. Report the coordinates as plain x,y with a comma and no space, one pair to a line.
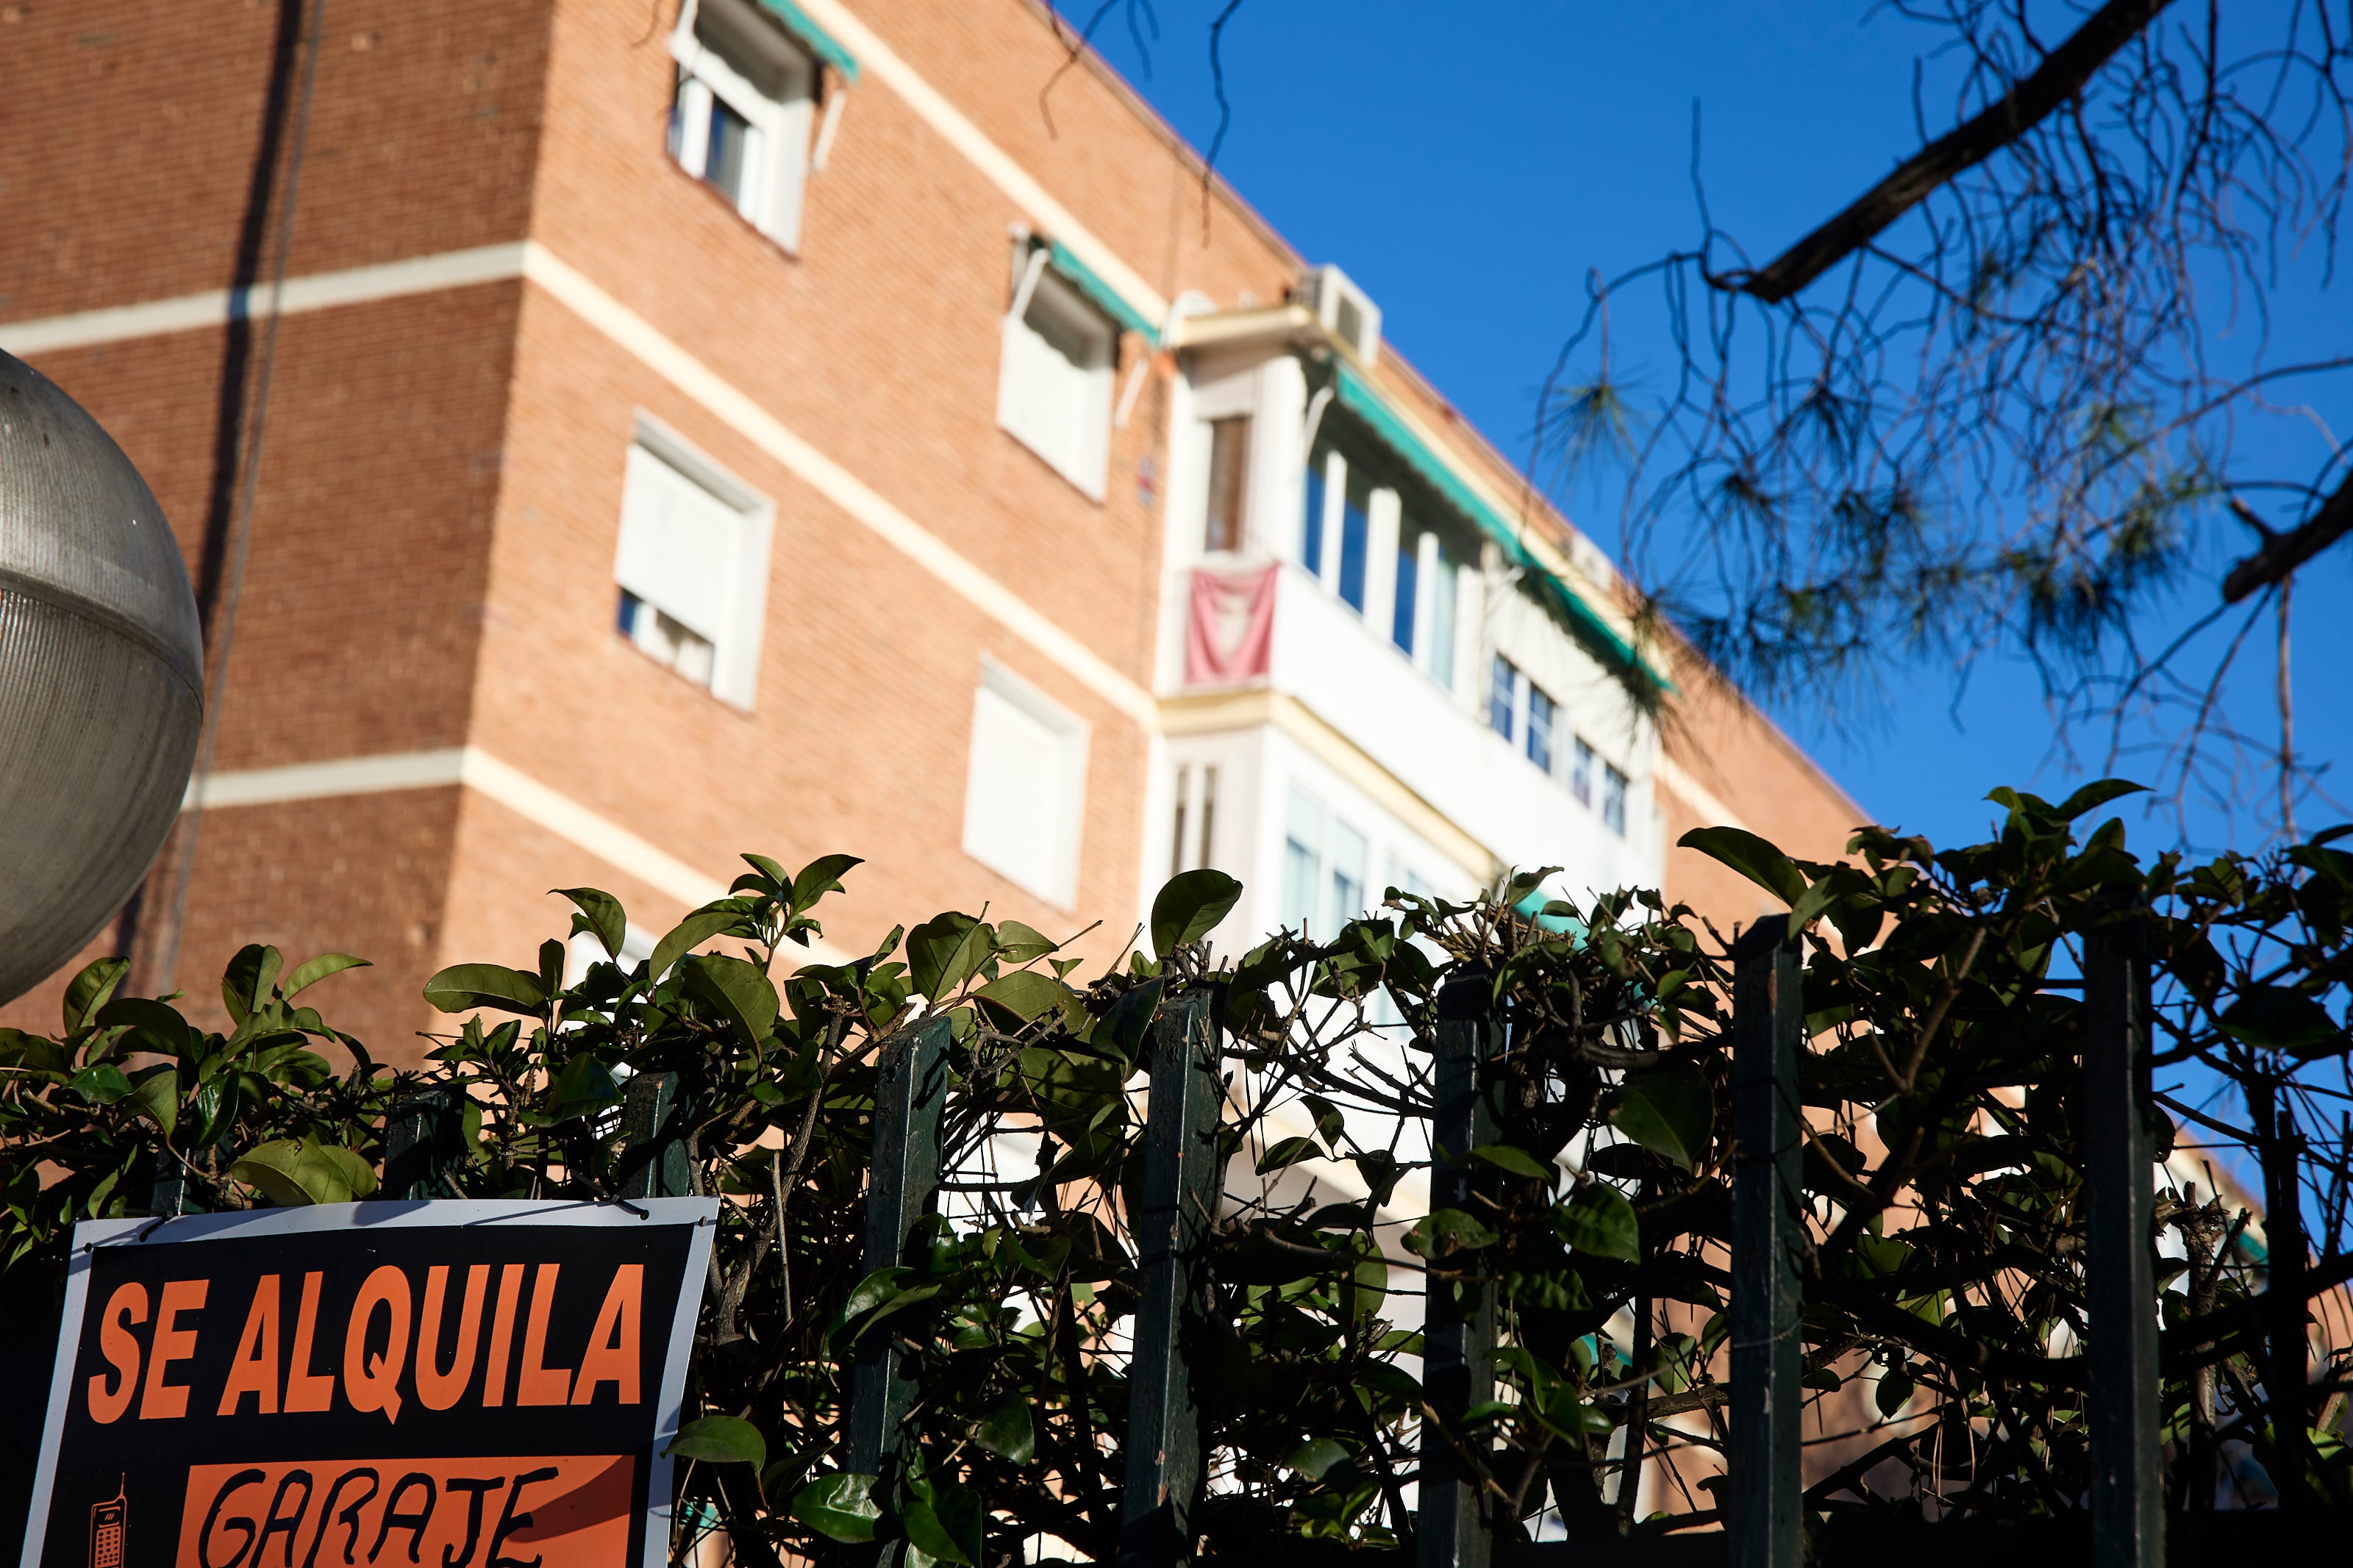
2057,82
2282,554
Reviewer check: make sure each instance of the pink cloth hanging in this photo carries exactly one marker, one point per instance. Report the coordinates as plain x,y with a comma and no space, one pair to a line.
1230,634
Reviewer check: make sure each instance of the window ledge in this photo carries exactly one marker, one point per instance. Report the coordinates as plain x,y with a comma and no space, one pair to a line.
711,193
1098,493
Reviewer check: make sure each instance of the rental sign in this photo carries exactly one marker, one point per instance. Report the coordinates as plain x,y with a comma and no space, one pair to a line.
455,1383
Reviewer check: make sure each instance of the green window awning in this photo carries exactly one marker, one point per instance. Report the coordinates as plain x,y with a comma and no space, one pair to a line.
821,43
1106,299
1361,398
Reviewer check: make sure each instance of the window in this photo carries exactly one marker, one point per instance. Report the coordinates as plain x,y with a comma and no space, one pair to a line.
1324,864
1408,604
1025,795
1512,696
1405,879
1302,859
1054,391
666,639
1540,718
1355,538
1613,800
1580,772
727,157
692,565
1310,529
1228,483
741,120
1503,692
1197,818
1343,499
1439,659
1347,874
1176,856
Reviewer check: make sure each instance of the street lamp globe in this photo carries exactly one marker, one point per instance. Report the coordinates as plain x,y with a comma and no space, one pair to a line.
101,676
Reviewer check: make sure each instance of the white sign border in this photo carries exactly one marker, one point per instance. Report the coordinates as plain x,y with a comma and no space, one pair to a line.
386,1214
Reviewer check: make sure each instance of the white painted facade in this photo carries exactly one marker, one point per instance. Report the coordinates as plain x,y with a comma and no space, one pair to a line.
1377,759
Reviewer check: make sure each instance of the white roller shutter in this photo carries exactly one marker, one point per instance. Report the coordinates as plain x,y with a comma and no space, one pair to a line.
679,546
1025,795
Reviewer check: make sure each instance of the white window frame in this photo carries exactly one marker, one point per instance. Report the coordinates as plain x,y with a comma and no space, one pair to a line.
1082,456
1234,397
1516,702
1556,725
736,651
1437,611
1193,824
778,162
1060,886
1618,786
1325,566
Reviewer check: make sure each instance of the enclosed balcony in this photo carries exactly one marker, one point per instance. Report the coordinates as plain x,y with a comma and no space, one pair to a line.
1413,692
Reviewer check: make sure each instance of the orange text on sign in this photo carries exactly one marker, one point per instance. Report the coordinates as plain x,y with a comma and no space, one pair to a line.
391,1346
563,1511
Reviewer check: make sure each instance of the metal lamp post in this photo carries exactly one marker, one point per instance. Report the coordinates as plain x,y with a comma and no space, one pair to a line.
101,676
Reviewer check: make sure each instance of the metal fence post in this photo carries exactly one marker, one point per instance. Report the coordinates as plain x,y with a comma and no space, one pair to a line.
653,1157
1453,1529
2127,1485
1181,1168
2287,1374
910,1091
172,1193
1765,1495
420,1135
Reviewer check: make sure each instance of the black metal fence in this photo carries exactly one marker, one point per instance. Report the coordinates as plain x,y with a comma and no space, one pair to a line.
2125,1526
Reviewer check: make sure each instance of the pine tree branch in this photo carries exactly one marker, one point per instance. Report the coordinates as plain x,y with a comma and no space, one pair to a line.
2059,78
2282,554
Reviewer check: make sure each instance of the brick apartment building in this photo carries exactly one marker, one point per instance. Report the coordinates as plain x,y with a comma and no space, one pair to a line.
756,428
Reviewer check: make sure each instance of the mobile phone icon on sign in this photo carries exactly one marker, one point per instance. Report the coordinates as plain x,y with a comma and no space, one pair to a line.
106,1522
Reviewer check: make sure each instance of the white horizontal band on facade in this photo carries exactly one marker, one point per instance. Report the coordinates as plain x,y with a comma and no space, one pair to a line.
1671,775
471,767
475,769
576,824
314,291
326,781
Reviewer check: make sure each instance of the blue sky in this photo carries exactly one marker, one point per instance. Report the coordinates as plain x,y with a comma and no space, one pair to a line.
1469,164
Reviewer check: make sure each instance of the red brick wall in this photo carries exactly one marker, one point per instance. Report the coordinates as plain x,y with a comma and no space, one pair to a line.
367,875
128,131
356,628
1103,155
1770,786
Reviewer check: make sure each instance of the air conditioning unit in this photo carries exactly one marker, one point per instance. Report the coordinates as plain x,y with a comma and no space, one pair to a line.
1343,308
